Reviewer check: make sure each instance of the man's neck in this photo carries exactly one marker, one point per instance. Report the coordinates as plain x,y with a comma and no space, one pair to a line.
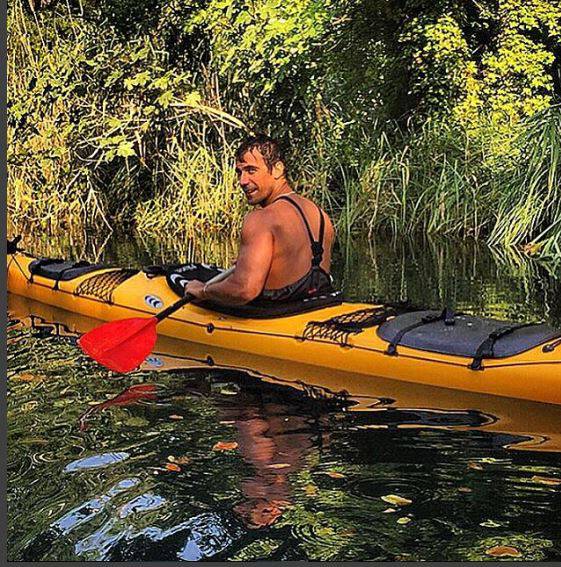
284,189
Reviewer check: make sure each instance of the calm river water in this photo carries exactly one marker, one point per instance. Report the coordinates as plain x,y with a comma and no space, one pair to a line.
182,461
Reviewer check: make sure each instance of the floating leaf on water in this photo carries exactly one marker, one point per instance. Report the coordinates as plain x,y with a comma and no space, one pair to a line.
175,416
227,422
28,377
29,406
503,551
403,520
464,489
278,466
229,390
490,524
335,474
549,480
311,489
173,467
396,500
179,460
475,466
389,511
225,446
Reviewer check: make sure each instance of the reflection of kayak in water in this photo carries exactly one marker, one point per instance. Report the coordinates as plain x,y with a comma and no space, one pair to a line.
423,347
385,403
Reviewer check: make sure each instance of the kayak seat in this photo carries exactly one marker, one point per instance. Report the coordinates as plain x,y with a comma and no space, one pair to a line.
61,270
463,335
178,276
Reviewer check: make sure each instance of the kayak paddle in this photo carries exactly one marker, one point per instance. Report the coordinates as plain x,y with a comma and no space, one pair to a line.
123,345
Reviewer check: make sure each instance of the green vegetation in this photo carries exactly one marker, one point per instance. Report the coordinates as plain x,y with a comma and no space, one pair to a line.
402,116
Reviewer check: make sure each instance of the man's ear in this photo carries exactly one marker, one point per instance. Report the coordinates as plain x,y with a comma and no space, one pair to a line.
278,170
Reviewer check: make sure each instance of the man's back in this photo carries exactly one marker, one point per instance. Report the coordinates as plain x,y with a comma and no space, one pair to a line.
292,248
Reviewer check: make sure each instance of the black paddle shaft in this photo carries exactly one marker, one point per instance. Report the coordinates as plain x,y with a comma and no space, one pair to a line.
189,297
174,307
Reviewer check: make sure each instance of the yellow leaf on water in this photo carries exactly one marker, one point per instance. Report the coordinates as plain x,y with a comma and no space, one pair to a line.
278,466
174,416
503,551
396,500
404,520
549,480
490,524
311,490
389,511
335,474
179,460
28,377
225,446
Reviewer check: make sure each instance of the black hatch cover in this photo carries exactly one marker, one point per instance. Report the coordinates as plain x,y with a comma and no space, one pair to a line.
465,336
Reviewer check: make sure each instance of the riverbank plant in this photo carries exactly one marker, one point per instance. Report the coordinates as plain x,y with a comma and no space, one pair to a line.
443,120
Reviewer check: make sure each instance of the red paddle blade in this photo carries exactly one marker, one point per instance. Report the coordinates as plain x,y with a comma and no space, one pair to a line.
121,345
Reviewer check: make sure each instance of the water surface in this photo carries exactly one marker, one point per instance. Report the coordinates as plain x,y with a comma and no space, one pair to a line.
185,461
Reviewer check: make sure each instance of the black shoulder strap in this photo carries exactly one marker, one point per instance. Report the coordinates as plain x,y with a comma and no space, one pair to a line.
317,245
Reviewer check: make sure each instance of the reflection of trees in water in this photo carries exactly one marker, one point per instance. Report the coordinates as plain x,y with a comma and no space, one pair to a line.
326,504
431,272
465,274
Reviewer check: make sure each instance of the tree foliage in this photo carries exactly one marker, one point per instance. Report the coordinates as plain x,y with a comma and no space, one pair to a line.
110,102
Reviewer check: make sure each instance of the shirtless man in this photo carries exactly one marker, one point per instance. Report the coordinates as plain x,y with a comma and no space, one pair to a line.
286,241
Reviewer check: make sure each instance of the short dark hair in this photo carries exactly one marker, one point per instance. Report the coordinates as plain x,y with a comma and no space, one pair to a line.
268,147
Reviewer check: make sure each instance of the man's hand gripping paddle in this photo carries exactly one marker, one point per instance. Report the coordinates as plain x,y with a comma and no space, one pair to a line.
124,344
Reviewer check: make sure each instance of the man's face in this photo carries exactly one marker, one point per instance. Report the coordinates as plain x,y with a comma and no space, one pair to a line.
255,178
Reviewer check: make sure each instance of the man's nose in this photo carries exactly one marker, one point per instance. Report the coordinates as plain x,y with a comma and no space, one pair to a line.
243,179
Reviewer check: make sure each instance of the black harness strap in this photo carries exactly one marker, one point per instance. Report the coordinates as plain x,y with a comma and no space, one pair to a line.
317,245
447,316
487,348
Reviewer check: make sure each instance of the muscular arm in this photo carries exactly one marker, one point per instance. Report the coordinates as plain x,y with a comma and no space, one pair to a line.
252,265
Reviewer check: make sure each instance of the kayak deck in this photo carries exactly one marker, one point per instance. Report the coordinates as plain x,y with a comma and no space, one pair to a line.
532,374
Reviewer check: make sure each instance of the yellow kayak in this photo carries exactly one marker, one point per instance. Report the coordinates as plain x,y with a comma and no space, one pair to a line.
447,350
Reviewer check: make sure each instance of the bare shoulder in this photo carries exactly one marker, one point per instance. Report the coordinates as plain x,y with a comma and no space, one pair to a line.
256,222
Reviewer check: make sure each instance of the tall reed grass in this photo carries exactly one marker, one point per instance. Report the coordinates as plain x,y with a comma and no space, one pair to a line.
443,180
107,132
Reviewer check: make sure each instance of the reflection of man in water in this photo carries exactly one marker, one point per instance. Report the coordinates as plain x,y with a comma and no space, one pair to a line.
276,445
272,440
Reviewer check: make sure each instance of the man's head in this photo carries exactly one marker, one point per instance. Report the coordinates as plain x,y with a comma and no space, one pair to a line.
261,168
